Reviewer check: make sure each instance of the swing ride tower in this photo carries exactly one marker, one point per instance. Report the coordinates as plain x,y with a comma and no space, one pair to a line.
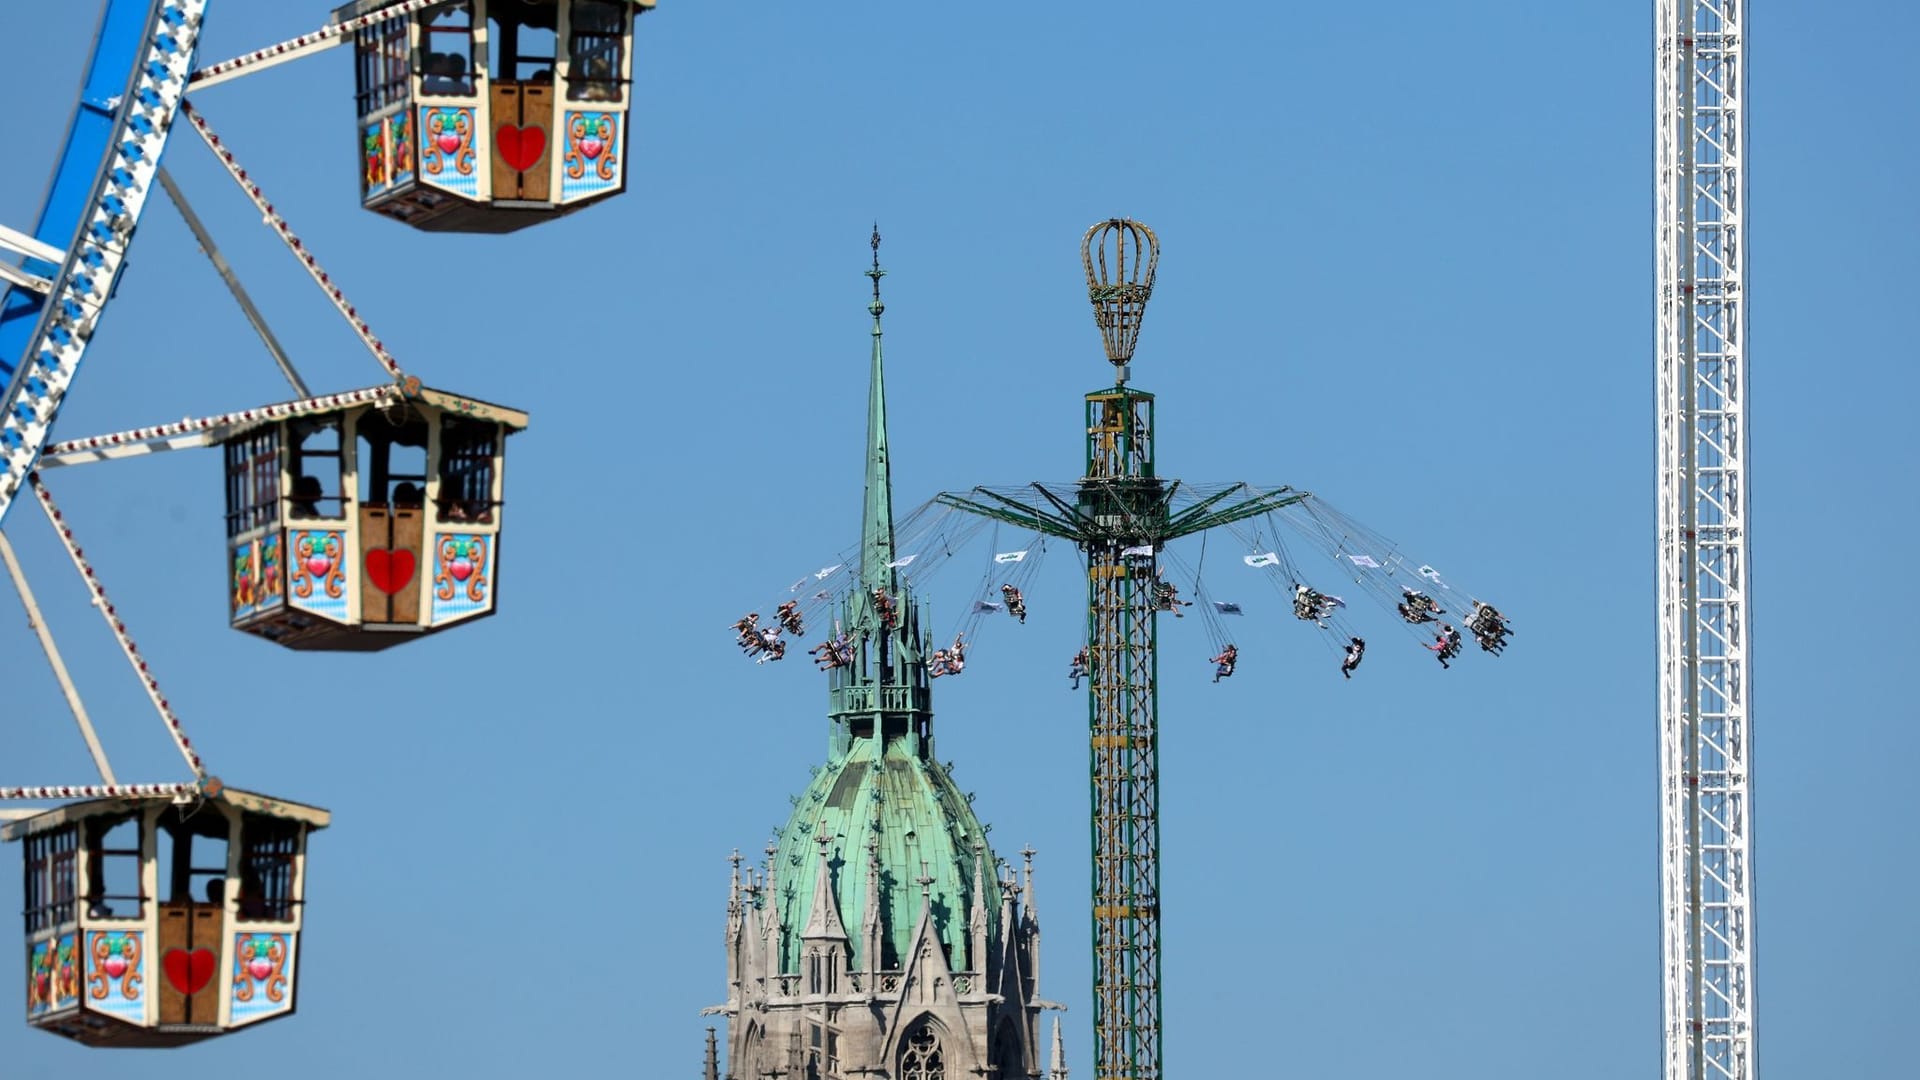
1121,513
1706,825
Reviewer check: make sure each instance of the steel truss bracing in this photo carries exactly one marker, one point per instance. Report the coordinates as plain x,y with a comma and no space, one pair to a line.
1705,675
1123,725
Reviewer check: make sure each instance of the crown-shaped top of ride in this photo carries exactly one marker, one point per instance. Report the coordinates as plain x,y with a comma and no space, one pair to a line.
1119,255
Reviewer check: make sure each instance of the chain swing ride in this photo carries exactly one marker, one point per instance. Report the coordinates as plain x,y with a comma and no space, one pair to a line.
1121,516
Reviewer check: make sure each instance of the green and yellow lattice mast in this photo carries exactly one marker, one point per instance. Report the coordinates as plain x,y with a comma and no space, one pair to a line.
1121,514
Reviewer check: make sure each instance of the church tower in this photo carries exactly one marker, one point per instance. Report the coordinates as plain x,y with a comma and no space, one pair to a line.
881,937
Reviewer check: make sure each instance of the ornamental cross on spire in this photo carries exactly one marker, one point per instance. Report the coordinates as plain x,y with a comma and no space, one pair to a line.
876,274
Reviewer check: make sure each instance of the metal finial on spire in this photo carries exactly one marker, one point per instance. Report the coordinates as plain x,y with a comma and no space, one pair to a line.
876,274
1119,256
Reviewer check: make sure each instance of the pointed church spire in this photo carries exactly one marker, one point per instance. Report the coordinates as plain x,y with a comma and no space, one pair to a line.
876,531
977,913
713,1057
823,921
1033,909
883,693
1057,1069
870,917
774,928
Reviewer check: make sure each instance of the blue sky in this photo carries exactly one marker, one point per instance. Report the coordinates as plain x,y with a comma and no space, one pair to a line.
1406,264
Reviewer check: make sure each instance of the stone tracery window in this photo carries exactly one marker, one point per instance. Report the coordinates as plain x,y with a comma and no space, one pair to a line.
921,1057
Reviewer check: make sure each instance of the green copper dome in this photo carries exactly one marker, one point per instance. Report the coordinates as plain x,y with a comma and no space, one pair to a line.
896,828
885,804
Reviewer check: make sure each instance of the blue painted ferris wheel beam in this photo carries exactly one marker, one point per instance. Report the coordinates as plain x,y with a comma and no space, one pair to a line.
142,55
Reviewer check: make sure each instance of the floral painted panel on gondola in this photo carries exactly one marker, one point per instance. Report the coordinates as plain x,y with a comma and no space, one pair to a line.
373,158
258,582
400,147
262,976
317,574
463,568
117,974
447,153
53,976
591,162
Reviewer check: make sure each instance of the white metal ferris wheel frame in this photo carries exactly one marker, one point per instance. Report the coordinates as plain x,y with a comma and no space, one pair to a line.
1706,823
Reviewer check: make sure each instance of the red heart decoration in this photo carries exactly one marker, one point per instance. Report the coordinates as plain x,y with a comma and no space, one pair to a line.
390,570
188,972
520,147
115,966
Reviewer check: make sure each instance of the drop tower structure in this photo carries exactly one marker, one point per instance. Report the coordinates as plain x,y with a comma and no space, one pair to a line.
1705,668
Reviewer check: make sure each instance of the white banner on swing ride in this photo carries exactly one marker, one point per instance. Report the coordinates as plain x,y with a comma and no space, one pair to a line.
1432,575
1266,558
1227,607
986,606
1364,560
1143,549
902,561
826,572
795,587
1009,556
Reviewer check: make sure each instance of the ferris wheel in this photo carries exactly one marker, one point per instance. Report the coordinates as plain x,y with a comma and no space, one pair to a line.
159,914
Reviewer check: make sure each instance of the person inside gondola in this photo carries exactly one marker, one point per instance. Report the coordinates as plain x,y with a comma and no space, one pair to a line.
305,500
1016,603
1224,663
1077,667
253,894
1355,650
407,493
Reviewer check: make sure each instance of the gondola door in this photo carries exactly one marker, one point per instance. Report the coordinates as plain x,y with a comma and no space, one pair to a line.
392,464
189,962
390,588
522,116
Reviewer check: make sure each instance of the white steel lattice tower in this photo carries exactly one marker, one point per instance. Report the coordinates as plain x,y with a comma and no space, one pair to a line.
1706,823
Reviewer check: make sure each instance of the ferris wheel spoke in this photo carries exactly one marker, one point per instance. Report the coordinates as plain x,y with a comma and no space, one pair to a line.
99,791
52,650
239,291
118,626
295,48
12,241
294,244
204,431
